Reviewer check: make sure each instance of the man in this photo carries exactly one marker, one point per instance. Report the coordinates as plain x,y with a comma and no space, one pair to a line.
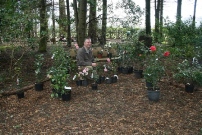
85,56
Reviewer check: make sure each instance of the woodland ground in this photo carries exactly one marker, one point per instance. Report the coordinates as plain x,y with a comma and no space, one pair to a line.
118,108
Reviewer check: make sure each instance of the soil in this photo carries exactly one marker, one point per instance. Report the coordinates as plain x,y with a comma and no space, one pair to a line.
119,108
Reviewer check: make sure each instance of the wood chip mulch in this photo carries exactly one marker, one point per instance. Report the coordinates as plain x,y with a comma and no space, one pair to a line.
118,108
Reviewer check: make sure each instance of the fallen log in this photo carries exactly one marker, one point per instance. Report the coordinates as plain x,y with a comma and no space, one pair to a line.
23,89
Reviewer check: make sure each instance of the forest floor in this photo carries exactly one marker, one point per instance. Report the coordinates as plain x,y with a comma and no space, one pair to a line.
118,108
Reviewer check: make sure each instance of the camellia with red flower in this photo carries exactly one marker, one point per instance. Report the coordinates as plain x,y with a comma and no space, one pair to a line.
153,48
155,67
166,54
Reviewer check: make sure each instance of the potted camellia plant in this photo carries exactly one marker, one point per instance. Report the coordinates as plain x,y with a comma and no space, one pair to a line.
84,74
38,72
112,70
154,71
125,59
81,76
138,53
77,78
189,72
99,70
59,74
60,86
95,77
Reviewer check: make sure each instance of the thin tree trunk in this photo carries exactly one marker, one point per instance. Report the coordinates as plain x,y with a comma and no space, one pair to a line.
53,19
161,19
178,38
194,16
147,17
69,41
157,7
104,22
35,24
76,17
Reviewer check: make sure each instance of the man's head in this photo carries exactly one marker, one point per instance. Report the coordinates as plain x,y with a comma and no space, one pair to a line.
87,43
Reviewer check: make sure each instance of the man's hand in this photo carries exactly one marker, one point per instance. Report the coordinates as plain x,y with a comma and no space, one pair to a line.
94,64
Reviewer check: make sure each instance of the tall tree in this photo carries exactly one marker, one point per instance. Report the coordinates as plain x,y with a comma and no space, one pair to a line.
82,22
53,20
35,23
194,16
104,22
161,18
157,9
178,37
43,27
179,8
68,24
76,18
147,17
92,25
62,18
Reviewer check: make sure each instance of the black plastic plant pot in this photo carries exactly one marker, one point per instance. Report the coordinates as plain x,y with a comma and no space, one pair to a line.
189,88
102,78
66,96
108,80
153,94
114,79
84,83
38,86
138,74
119,69
20,95
98,81
79,82
130,70
94,86
124,70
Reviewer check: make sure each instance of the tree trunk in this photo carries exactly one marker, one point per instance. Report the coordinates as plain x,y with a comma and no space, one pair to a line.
92,29
53,20
76,17
194,16
161,20
157,7
35,24
43,27
147,18
69,40
178,38
62,18
179,6
82,22
104,22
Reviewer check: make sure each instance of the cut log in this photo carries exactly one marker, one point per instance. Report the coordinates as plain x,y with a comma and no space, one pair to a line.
15,91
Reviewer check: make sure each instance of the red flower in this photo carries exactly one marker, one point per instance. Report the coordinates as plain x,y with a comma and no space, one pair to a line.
153,48
166,54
